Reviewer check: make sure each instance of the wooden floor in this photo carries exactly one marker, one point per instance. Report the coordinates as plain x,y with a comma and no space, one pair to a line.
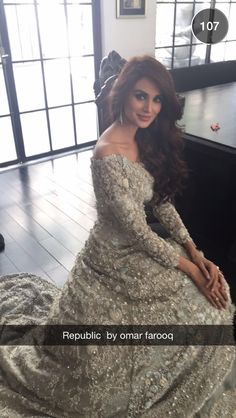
46,212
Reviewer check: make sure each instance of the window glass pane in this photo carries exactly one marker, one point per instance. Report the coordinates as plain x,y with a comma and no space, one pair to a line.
164,24
232,27
35,133
29,85
52,24
62,130
218,52
198,54
86,122
183,31
7,145
4,108
181,56
83,78
22,31
201,6
230,53
80,30
57,76
164,56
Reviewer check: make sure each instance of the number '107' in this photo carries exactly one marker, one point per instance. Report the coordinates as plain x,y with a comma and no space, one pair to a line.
209,25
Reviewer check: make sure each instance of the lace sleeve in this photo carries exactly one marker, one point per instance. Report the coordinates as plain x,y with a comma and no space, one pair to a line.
112,183
170,219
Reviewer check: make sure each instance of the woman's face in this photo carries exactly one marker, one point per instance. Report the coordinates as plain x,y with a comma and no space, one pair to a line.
142,104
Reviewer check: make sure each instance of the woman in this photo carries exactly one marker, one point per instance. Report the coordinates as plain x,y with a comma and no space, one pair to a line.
126,274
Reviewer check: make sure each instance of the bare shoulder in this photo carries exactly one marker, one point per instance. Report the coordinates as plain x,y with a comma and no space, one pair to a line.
103,150
106,145
114,141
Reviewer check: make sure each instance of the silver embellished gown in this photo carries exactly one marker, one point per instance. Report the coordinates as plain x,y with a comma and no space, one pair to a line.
126,274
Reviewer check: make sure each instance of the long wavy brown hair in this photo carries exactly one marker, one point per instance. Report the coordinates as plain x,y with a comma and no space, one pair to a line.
160,145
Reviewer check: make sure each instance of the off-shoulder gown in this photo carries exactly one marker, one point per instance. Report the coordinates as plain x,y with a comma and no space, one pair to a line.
125,274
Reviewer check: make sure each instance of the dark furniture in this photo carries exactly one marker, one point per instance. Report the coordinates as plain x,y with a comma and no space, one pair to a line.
208,206
206,75
208,105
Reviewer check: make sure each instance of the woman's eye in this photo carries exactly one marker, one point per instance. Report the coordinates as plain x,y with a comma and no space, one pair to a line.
158,99
140,96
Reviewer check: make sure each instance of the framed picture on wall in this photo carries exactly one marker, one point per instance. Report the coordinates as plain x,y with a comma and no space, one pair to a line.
130,8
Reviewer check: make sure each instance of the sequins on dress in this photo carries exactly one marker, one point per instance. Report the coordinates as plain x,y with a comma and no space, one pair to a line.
125,274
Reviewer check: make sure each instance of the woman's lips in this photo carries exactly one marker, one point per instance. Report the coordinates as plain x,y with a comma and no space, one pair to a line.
144,118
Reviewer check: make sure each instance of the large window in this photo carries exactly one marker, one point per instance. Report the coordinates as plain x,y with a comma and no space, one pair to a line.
175,44
47,71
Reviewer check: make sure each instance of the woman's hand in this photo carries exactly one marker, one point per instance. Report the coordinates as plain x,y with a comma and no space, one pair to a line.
218,298
208,269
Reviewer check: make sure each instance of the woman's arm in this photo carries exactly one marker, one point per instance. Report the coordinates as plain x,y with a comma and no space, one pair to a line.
170,219
168,216
111,179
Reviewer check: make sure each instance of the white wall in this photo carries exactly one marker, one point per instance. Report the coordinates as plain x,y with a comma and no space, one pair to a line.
128,36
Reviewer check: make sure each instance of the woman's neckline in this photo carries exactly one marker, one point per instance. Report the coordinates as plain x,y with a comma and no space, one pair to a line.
117,155
137,164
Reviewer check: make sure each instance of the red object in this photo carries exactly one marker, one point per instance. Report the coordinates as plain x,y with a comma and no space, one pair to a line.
215,127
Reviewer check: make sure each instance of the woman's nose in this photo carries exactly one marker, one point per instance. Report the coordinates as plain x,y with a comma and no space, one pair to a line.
148,106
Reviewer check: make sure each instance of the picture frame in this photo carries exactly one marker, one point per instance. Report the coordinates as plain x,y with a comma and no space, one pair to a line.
130,8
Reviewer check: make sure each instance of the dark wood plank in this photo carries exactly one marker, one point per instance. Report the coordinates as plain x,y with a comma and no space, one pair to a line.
27,222
72,212
75,229
65,257
30,245
59,275
22,260
55,229
6,266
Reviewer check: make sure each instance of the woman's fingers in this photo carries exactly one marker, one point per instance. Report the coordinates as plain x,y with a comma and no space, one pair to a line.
219,299
224,295
217,296
216,281
210,283
202,264
211,300
223,292
221,280
222,287
204,271
214,274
